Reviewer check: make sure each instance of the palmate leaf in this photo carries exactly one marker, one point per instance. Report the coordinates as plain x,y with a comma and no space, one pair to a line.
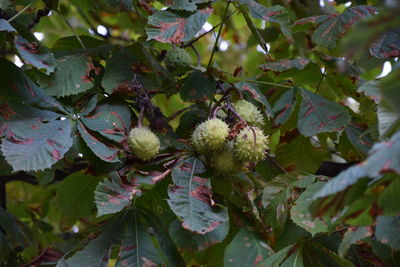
246,249
319,115
191,200
35,55
388,45
127,230
168,26
383,157
137,248
351,237
114,194
72,76
333,28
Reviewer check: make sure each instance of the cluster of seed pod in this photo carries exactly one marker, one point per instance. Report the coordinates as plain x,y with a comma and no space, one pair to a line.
210,138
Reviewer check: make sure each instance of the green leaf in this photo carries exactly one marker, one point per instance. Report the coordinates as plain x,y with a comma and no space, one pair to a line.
286,64
332,29
246,249
36,142
276,14
388,45
114,194
359,137
5,26
118,71
300,212
198,86
33,54
107,152
76,197
383,157
188,5
299,155
189,241
371,90
319,115
284,106
168,26
191,200
351,237
14,230
277,258
386,231
387,117
111,120
390,89
389,199
305,23
72,76
137,248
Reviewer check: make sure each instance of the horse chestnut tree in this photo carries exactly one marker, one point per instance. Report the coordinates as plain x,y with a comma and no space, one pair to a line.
199,133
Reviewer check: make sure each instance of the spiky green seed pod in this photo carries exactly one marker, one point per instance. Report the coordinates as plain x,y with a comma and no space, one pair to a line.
210,135
250,113
144,143
177,59
250,144
225,162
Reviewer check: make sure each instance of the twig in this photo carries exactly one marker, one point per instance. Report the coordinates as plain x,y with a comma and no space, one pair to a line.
21,11
277,164
141,115
218,35
176,114
212,29
269,83
197,54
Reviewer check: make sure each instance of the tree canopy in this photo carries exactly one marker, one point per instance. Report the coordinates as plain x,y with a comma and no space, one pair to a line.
199,133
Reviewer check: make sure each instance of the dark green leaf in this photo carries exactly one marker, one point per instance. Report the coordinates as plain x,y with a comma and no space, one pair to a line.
72,76
76,195
5,26
390,198
175,27
305,23
351,237
188,5
187,240
246,249
386,231
300,212
114,194
284,106
106,152
254,92
299,155
318,115
390,89
198,86
34,54
191,200
286,64
388,45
